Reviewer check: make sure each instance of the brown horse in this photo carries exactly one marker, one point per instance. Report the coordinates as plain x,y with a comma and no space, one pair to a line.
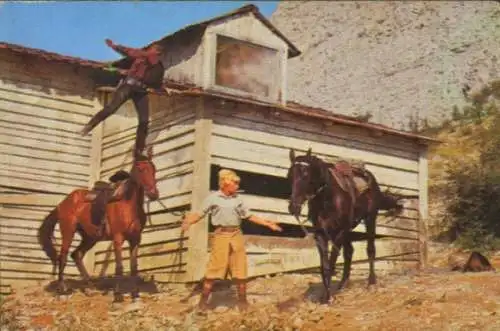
334,212
126,219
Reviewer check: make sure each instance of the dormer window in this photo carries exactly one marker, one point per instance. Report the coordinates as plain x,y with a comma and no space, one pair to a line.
247,69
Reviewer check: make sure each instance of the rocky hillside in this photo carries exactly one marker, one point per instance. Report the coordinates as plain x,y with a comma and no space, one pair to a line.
400,61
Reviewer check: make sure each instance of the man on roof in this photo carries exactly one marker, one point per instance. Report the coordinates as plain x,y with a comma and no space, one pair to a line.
145,72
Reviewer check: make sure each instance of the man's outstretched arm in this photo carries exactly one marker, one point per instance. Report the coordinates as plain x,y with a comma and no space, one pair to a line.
127,51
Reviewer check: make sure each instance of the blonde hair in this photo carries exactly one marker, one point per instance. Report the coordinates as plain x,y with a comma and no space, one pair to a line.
226,175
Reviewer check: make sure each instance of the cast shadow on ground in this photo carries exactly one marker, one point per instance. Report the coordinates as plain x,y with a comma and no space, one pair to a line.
104,285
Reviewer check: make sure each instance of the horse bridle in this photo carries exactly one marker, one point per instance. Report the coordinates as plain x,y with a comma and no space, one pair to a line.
309,197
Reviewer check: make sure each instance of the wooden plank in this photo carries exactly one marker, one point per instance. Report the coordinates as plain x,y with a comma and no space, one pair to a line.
173,185
36,185
7,115
41,164
28,245
144,250
31,232
124,159
277,147
423,203
155,137
230,148
169,143
30,199
148,238
165,218
261,204
390,227
179,163
43,101
31,85
155,128
21,131
39,153
42,113
42,133
267,263
262,119
146,264
17,173
44,173
35,144
391,231
176,200
385,176
165,163
198,233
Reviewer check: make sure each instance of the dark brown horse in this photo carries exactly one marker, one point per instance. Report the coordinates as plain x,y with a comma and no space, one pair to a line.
334,212
126,219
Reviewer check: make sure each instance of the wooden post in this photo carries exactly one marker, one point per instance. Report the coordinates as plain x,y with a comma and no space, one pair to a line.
197,243
95,165
284,76
423,205
209,51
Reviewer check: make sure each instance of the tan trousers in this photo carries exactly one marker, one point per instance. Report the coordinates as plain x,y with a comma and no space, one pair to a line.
228,251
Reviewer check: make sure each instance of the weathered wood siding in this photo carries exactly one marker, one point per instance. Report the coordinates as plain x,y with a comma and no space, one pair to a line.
248,28
183,59
43,106
171,133
257,140
22,261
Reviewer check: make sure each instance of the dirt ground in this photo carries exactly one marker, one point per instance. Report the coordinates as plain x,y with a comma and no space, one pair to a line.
431,299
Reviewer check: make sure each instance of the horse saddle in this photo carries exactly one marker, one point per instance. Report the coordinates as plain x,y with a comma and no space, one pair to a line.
343,174
105,189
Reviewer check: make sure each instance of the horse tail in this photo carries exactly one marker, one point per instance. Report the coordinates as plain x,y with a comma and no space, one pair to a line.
45,232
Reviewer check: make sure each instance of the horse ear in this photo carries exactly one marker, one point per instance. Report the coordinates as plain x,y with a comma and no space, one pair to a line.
309,152
292,155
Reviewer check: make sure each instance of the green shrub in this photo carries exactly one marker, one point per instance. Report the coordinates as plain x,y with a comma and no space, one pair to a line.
467,176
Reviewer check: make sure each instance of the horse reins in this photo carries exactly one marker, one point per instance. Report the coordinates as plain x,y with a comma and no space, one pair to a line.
309,198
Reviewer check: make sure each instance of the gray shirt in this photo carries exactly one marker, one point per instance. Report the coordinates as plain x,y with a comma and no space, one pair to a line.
225,210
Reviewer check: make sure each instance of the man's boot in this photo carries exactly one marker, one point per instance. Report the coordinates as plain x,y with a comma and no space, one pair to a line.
242,295
205,294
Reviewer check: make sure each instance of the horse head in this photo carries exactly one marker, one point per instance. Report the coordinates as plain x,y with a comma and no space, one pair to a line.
144,173
305,176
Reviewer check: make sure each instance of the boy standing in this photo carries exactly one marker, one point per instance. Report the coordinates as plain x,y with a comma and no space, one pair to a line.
228,247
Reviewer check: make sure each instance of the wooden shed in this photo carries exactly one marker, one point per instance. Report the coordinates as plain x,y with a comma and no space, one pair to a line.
224,105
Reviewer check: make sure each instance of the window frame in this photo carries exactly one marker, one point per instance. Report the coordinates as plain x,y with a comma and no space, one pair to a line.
210,68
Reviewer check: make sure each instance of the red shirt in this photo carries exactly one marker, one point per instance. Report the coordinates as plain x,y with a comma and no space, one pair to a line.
142,60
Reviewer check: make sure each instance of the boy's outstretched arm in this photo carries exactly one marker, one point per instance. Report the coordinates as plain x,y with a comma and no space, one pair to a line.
270,224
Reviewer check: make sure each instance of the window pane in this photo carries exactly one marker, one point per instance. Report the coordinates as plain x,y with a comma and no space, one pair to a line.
247,67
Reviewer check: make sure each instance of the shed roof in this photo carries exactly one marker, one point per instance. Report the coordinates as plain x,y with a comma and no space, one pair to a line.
200,27
290,107
187,89
50,56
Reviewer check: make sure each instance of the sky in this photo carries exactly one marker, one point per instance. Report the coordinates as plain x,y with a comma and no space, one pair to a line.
79,28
